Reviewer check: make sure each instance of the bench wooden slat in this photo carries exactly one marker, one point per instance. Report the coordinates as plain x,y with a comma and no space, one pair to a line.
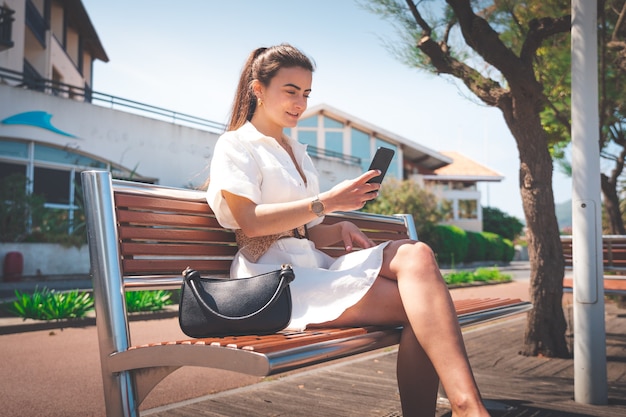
160,203
271,354
175,266
613,252
150,218
170,235
615,286
164,249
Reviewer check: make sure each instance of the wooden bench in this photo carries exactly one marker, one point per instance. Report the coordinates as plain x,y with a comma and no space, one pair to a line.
613,253
613,263
142,236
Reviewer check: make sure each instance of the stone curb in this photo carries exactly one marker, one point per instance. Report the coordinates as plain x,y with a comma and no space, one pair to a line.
11,325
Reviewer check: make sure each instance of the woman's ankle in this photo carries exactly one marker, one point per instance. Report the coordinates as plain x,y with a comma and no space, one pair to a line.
466,406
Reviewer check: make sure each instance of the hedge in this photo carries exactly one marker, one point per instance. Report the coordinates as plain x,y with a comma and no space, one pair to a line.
453,245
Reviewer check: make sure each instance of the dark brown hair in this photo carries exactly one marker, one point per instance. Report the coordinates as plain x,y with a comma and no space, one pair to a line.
262,65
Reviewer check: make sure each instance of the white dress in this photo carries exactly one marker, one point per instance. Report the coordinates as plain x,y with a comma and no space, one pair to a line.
251,165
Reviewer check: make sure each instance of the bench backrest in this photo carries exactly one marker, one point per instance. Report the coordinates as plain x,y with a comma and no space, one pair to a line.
142,236
613,252
162,230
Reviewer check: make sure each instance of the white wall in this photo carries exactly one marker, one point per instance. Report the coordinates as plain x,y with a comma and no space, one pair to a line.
176,155
44,259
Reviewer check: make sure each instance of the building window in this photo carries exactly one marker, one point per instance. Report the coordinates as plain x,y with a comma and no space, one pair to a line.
6,28
52,173
468,209
53,184
63,156
14,149
447,208
334,141
360,147
463,186
8,169
332,124
308,122
308,137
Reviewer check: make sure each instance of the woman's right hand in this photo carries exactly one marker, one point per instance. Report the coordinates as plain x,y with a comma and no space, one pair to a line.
351,194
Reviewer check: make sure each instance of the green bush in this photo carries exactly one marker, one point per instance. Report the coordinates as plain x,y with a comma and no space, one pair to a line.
449,243
147,300
495,247
476,247
480,274
18,209
491,275
498,222
458,277
48,304
24,218
509,250
52,305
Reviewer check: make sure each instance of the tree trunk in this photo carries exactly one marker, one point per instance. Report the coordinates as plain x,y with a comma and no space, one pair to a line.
611,205
546,326
521,102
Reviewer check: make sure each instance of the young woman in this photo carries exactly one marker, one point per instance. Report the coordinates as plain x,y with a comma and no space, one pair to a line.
264,186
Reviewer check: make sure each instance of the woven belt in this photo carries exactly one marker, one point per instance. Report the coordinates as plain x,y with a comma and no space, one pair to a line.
253,247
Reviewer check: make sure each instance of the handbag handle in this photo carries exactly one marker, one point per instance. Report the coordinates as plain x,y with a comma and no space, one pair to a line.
286,276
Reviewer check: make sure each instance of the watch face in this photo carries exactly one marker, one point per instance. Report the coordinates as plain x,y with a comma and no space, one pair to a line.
317,207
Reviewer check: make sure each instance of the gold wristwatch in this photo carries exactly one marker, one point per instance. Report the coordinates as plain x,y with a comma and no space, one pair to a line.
317,207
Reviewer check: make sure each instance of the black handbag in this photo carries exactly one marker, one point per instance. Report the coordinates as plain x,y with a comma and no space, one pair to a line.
215,307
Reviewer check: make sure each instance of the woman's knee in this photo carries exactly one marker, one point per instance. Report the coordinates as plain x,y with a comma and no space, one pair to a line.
412,252
414,260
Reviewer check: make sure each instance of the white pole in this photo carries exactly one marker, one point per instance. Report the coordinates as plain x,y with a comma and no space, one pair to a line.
590,375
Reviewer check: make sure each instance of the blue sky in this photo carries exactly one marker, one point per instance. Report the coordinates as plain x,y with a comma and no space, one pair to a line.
186,56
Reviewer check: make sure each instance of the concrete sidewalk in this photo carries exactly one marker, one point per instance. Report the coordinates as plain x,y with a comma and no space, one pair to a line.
56,372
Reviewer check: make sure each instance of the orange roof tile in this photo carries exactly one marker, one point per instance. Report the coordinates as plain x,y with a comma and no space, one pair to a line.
462,166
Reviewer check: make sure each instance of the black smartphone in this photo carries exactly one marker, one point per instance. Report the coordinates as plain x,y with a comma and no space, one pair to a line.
381,161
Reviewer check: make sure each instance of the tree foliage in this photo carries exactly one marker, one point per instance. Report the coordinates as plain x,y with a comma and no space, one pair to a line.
408,197
496,49
17,208
496,221
554,74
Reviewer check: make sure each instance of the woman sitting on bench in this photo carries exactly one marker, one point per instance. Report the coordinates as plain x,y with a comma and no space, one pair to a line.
264,186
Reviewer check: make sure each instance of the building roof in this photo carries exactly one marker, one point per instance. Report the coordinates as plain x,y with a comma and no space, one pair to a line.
80,18
463,168
411,150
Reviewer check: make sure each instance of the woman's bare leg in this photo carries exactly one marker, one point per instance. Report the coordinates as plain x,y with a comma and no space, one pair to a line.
417,380
414,293
432,316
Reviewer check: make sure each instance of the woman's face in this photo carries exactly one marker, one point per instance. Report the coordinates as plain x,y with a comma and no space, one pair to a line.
285,98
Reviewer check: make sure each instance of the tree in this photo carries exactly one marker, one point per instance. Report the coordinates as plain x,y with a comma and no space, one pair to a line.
496,221
408,197
18,208
612,114
464,43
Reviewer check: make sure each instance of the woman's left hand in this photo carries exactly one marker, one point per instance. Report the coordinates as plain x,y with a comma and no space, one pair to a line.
352,235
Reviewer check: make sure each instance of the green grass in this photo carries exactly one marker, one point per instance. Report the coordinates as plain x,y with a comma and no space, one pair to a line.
52,305
478,275
46,304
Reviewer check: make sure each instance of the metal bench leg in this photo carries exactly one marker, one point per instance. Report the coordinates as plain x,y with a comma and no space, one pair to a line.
110,304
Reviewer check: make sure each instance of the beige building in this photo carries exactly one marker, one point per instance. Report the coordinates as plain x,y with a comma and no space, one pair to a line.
457,183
